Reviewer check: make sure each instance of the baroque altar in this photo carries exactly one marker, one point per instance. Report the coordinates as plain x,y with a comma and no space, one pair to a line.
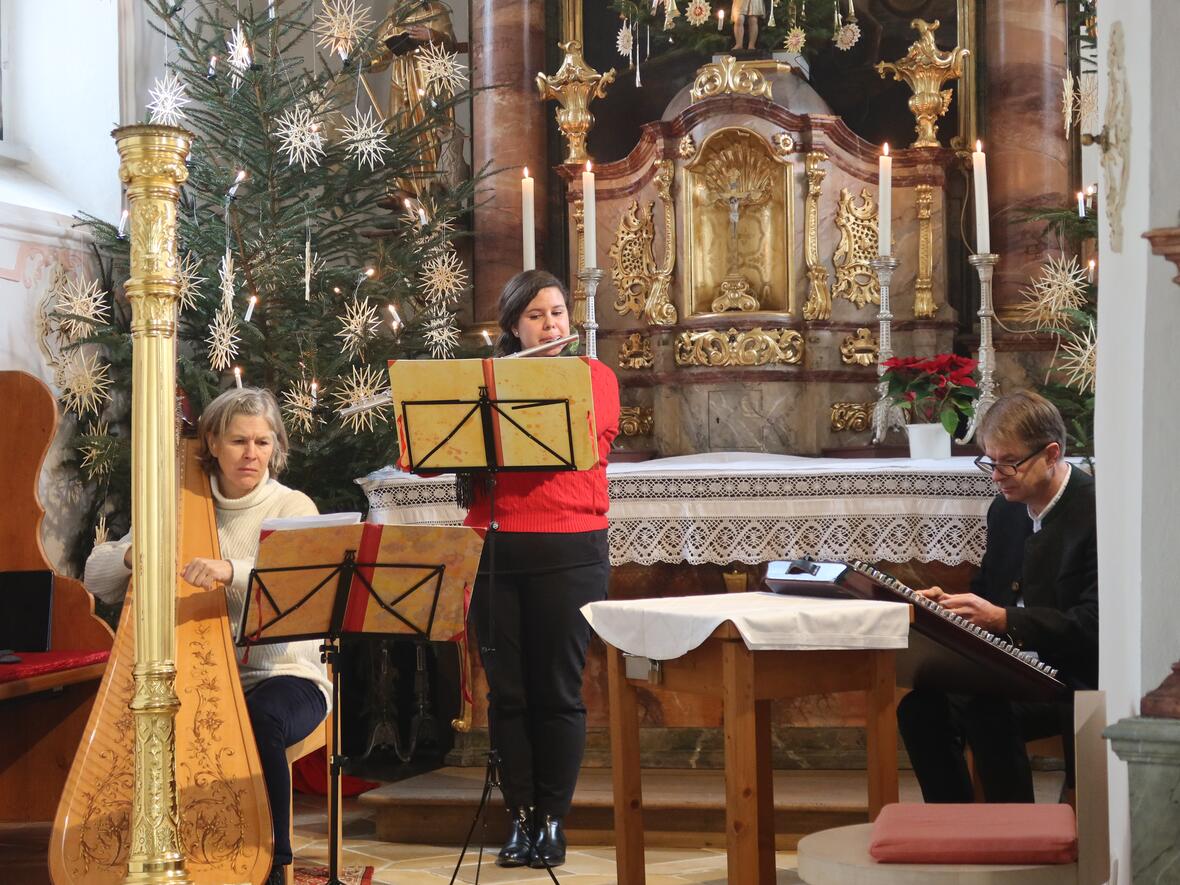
739,306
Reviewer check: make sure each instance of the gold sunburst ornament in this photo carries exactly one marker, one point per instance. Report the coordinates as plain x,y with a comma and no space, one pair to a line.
1060,288
796,40
340,25
362,387
625,40
79,307
698,13
1078,362
84,382
359,323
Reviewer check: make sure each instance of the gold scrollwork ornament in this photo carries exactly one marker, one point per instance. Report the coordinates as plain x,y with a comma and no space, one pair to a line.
855,278
642,287
635,352
851,417
924,305
636,420
925,69
784,144
687,148
860,349
728,76
819,295
756,347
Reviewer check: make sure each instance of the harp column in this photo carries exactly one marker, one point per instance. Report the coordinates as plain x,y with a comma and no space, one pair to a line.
152,170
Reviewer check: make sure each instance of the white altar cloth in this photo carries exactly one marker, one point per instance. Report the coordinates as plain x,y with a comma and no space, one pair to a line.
747,507
667,628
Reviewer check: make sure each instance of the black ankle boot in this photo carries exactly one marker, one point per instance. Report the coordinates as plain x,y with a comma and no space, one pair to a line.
278,875
518,850
549,845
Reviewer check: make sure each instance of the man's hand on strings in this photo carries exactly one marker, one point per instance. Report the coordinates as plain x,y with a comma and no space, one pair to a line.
208,573
974,608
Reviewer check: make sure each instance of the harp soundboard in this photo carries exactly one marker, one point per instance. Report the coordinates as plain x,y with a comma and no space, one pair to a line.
946,651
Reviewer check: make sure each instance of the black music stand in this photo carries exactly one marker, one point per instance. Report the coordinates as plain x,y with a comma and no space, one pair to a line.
469,431
311,584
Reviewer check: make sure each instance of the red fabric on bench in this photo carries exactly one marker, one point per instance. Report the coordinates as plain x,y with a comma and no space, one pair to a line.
37,663
975,834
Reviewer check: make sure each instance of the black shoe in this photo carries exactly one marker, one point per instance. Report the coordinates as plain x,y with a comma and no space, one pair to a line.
278,875
549,846
518,850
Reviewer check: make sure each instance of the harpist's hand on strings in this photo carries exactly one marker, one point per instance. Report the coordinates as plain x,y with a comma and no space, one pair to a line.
974,608
208,573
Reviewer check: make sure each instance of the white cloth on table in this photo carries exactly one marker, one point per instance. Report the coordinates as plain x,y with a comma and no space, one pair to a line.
669,627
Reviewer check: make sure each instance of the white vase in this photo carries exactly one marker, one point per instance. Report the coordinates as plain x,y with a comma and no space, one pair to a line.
929,441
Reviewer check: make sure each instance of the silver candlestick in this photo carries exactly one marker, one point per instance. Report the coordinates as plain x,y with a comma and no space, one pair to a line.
885,415
591,277
985,266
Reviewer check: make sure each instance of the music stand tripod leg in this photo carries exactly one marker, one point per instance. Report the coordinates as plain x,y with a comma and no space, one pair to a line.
331,655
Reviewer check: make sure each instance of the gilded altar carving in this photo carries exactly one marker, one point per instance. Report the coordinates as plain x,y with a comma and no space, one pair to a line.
574,86
578,295
635,352
1115,138
851,417
784,144
728,76
855,278
925,69
756,347
924,305
819,295
860,349
738,208
687,149
642,286
636,420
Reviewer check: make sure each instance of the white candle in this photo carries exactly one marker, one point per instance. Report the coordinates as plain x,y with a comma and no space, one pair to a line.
1090,275
983,239
250,307
528,221
1081,205
212,72
315,389
487,337
885,201
238,179
720,19
122,225
238,376
590,240
395,321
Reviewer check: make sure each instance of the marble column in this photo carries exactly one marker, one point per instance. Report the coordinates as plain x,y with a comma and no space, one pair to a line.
1151,749
1027,153
508,132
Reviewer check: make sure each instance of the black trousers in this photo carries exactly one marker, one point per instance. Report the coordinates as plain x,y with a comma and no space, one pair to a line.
936,727
283,711
532,642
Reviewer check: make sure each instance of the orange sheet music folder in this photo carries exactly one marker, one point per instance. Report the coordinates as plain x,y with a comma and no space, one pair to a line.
541,415
409,580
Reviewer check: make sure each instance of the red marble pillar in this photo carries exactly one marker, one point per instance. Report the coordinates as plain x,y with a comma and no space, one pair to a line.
1027,153
508,132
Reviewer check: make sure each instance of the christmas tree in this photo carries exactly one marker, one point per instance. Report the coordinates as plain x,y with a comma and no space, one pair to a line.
316,235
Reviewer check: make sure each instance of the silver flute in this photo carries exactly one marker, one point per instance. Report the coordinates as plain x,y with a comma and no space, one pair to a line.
541,348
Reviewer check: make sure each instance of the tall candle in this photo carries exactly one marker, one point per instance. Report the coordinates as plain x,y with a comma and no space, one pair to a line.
1081,205
590,240
528,222
983,239
238,376
885,201
720,19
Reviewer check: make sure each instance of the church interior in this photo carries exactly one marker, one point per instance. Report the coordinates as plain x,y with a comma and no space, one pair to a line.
777,558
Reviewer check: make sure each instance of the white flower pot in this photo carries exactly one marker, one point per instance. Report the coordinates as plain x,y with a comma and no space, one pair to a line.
929,441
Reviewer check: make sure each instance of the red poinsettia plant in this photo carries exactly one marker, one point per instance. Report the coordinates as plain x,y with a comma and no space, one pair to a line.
933,388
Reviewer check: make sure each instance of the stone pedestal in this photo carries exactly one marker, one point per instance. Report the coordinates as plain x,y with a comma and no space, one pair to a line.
1151,749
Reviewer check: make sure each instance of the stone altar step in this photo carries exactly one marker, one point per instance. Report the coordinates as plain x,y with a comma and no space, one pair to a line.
682,808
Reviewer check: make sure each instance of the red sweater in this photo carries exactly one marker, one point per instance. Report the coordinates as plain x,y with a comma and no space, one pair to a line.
564,500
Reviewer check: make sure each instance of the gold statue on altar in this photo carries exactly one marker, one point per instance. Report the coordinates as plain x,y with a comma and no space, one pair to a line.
410,26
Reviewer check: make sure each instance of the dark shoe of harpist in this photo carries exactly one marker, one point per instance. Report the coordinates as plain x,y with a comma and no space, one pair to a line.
519,848
549,849
278,875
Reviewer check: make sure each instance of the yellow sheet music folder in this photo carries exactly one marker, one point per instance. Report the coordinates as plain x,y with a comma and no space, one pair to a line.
541,415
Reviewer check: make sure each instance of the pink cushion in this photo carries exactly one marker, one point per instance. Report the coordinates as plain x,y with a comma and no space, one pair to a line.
969,834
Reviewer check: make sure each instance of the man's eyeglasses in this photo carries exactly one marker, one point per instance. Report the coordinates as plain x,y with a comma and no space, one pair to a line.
1006,468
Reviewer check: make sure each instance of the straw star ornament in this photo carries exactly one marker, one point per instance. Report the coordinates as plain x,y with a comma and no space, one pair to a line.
443,72
1079,360
360,322
168,99
340,25
440,333
190,280
1060,288
300,138
84,382
443,277
80,306
237,49
299,404
223,339
364,140
362,387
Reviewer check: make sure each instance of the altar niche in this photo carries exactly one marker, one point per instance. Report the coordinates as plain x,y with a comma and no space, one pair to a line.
738,208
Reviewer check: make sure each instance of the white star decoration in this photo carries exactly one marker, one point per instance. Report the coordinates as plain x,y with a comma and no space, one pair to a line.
226,273
190,282
237,55
443,72
299,407
80,306
168,100
440,332
340,24
223,339
359,323
1068,101
363,386
1061,287
1079,360
625,40
300,138
443,277
84,382
364,139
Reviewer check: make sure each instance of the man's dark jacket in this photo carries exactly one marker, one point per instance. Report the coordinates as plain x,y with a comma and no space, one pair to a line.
1056,573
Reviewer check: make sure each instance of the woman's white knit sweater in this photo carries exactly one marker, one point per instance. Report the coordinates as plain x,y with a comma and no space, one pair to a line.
238,524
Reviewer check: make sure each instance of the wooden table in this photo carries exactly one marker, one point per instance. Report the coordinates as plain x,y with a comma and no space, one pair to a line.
747,681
